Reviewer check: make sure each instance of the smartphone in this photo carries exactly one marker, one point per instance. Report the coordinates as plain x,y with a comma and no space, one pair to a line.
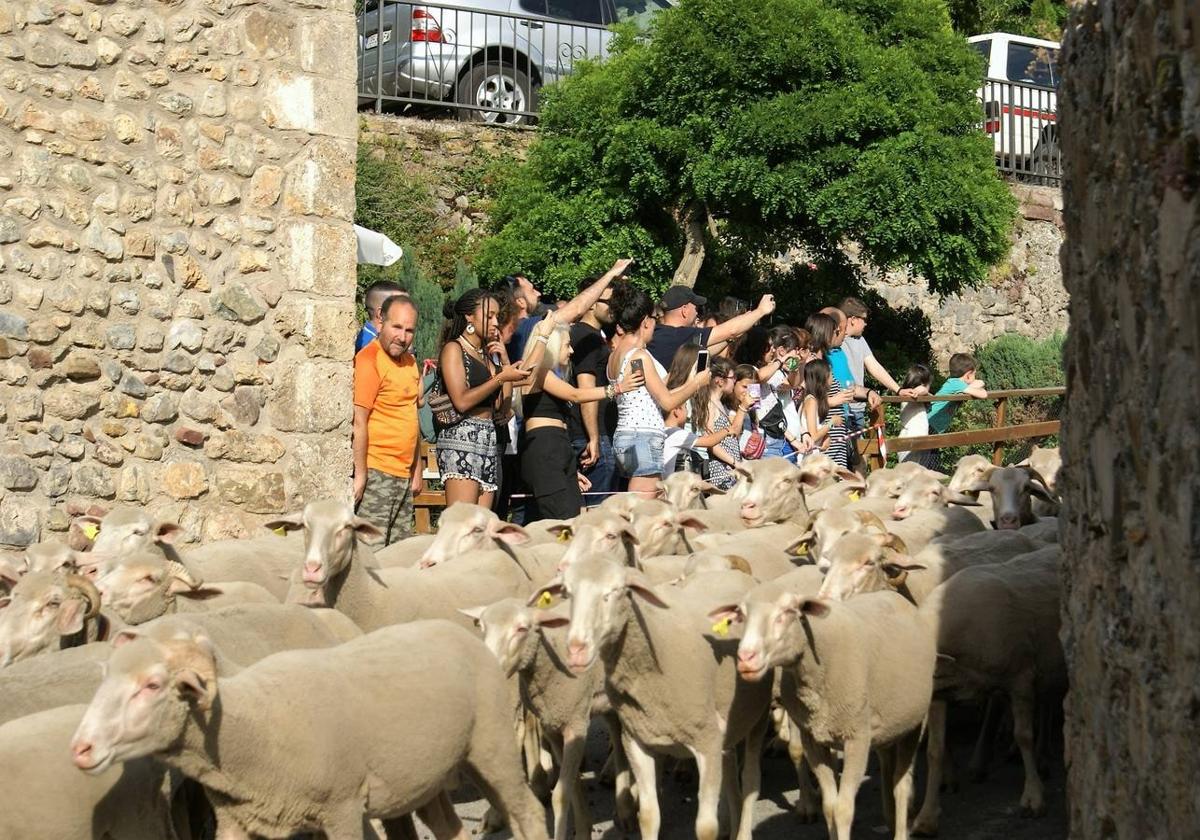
791,363
702,360
636,366
755,390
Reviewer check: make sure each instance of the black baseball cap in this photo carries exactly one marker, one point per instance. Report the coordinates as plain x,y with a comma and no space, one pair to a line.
678,296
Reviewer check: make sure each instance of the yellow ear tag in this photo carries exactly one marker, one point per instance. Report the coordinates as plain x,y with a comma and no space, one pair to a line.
546,600
855,496
801,550
281,531
721,628
90,530
564,535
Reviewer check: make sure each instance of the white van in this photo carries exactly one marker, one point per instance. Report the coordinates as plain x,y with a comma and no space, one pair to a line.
1020,103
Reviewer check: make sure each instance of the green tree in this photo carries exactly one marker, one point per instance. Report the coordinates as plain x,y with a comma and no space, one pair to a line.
1035,18
743,127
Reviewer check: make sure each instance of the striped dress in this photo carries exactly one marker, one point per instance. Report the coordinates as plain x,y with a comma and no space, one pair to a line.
838,444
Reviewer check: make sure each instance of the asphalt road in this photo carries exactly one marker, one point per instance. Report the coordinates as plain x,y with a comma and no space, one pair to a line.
977,811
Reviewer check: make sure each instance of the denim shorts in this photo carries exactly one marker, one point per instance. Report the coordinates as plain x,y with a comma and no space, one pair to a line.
639,454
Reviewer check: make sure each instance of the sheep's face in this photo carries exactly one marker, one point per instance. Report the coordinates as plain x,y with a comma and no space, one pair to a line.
510,631
923,493
971,470
828,527
142,704
144,586
1047,462
1013,489
865,563
41,609
330,533
889,483
600,591
50,556
660,529
127,530
599,533
774,492
465,528
819,470
685,490
770,617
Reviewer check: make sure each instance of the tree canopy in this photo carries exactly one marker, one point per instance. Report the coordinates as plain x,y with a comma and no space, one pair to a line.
740,128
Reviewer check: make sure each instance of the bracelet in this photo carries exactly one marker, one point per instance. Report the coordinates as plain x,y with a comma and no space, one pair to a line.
610,391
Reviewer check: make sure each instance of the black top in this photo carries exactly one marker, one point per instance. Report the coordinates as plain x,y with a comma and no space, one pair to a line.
589,354
666,341
477,372
540,404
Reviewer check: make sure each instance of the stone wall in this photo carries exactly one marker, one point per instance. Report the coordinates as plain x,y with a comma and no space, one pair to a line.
1131,467
1024,295
176,259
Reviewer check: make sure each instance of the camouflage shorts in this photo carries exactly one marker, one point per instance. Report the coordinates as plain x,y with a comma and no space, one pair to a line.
387,502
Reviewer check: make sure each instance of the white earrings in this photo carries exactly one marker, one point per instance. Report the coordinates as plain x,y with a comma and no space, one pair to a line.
470,329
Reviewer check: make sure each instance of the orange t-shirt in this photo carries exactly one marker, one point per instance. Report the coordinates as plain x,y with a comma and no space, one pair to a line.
389,390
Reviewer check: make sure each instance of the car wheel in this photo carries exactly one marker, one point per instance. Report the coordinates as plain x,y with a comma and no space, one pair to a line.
1046,161
499,86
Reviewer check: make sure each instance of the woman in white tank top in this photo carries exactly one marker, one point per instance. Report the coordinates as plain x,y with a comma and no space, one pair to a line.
638,440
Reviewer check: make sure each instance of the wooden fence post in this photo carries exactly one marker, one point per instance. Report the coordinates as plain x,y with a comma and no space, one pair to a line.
1001,420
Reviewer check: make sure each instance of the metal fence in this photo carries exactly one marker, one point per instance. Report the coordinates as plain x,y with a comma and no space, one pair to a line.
1022,121
486,64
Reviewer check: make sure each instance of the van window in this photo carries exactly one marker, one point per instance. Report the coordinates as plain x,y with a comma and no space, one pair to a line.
534,7
1033,65
984,48
639,11
583,11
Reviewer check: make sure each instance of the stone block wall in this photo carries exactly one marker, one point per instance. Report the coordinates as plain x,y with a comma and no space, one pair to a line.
1024,295
176,259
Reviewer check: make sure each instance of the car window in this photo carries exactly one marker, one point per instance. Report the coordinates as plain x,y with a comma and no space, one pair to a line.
583,11
1033,65
534,7
639,11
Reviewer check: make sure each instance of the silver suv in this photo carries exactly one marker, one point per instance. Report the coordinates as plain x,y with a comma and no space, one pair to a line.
487,57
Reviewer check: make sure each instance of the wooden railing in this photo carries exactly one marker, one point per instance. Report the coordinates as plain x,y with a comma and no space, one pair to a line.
997,435
425,503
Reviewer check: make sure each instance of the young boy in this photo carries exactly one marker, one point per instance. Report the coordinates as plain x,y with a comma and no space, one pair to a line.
962,381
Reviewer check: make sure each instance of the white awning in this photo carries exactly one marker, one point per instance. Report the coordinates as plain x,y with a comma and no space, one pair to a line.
376,249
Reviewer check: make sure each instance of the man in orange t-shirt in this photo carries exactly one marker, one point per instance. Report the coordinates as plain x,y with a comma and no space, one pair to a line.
387,388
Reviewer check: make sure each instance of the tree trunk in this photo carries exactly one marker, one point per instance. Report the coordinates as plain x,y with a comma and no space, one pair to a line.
1131,539
692,222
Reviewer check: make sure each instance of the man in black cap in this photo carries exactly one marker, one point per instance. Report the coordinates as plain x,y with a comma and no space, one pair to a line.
677,326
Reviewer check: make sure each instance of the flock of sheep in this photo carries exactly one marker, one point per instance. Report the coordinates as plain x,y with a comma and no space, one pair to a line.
305,684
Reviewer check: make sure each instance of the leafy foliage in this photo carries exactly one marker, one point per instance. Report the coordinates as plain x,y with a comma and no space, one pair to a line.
784,122
1035,18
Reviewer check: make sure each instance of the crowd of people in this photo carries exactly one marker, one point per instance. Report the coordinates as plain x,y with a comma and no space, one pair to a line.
537,410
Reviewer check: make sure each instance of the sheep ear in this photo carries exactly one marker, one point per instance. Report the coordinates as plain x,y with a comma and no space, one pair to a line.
870,520
473,613
637,583
978,487
71,615
198,689
124,637
166,533
730,612
563,533
551,590
940,476
202,593
660,490
815,607
849,475
802,546
365,529
706,487
891,541
291,522
689,520
542,618
508,532
963,499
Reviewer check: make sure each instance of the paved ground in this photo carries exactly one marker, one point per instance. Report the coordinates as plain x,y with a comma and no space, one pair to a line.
983,811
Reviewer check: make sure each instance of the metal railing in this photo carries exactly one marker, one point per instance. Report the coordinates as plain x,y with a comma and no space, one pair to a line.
997,435
1022,121
486,64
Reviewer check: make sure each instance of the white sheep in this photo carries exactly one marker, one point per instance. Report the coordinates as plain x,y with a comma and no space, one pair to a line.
48,611
671,683
318,757
863,678
531,643
1013,492
248,632
45,796
997,627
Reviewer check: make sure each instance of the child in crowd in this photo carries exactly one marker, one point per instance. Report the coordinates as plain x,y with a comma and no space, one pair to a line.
720,411
962,381
819,428
914,416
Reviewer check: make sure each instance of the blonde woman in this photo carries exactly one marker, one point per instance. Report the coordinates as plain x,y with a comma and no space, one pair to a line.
547,457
